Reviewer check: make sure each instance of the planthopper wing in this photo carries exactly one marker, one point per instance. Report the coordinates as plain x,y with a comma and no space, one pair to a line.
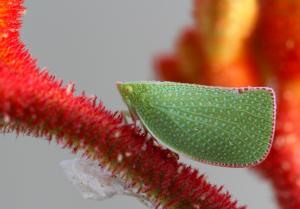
231,127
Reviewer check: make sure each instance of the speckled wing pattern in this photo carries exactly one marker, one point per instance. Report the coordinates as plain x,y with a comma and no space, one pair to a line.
231,127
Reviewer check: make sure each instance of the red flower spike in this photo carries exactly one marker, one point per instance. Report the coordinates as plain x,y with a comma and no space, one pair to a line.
279,36
167,67
242,71
219,22
190,63
224,26
283,164
33,105
278,44
187,64
190,57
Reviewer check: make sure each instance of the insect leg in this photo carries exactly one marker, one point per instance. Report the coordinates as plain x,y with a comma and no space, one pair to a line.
129,117
126,116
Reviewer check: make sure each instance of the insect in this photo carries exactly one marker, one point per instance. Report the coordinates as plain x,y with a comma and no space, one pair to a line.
232,127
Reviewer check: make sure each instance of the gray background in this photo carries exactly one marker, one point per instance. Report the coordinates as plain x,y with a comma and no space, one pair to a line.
95,43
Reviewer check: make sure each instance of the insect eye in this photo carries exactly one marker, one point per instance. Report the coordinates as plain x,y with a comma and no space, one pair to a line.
128,89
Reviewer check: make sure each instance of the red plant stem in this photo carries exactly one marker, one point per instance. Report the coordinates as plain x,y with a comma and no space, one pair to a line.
33,102
38,105
12,50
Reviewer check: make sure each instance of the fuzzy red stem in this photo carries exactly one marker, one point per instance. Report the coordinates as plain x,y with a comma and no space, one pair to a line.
36,105
33,102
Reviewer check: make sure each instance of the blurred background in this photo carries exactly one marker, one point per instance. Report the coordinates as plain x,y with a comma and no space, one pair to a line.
94,44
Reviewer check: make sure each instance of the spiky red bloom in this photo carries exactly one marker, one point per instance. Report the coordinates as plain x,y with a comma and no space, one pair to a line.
187,64
283,164
33,102
279,41
279,37
167,67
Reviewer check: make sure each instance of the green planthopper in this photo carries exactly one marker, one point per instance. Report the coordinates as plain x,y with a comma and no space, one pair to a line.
232,127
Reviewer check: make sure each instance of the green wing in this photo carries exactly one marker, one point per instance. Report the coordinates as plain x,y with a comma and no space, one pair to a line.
222,126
